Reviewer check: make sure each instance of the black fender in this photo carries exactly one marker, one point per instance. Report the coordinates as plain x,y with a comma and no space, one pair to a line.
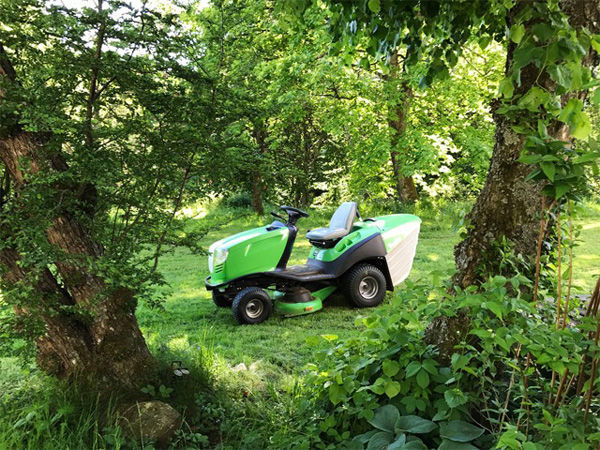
370,250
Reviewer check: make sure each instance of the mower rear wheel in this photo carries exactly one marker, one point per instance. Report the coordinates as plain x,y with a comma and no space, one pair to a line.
251,305
221,300
365,285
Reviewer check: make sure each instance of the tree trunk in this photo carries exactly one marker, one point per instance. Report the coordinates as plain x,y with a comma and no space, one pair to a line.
258,186
508,205
405,185
257,192
103,345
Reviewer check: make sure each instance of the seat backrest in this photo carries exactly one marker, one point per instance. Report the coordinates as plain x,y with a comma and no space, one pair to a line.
344,216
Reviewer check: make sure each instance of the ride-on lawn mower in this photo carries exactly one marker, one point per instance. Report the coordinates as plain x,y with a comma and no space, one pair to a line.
364,258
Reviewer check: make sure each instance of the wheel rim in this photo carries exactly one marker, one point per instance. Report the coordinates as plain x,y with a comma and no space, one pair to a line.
254,308
368,287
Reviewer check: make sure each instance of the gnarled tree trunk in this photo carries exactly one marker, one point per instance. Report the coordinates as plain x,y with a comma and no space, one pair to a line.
104,344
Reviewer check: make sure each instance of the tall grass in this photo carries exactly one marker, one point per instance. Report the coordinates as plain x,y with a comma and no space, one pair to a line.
38,412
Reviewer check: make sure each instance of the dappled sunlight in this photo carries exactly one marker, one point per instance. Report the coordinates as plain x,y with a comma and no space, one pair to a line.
591,226
179,343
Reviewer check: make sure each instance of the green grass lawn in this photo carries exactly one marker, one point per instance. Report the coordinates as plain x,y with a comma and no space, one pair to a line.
194,330
190,320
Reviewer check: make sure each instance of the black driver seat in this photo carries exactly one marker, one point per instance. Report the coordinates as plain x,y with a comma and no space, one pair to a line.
339,226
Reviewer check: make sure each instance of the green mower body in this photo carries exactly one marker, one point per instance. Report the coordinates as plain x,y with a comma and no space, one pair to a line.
249,271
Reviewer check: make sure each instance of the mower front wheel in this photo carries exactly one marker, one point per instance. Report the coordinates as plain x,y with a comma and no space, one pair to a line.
365,285
251,305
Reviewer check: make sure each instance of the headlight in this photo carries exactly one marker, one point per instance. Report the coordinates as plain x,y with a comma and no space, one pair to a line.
220,255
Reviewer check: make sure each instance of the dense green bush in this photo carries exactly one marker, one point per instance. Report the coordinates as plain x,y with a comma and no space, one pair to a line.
390,370
237,200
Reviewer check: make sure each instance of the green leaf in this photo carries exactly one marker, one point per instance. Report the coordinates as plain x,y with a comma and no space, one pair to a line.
430,366
587,157
450,445
415,444
380,440
561,189
410,403
365,437
412,368
533,98
543,31
596,43
562,75
548,169
573,105
385,418
423,379
506,88
398,443
392,388
374,6
337,393
329,337
414,424
379,386
455,397
596,96
581,126
516,33
354,445
530,159
390,367
484,41
542,129
460,431
496,307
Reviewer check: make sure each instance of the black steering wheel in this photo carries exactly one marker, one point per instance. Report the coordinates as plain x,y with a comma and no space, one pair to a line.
290,209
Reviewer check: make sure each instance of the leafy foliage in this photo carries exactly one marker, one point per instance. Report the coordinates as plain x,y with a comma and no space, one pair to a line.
388,377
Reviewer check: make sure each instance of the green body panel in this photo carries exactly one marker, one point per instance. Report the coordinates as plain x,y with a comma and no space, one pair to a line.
391,227
361,231
255,250
259,250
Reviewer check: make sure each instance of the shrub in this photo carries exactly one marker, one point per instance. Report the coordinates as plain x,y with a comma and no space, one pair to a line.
498,380
241,200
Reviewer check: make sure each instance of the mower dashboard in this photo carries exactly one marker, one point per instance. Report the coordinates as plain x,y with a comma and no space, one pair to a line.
275,225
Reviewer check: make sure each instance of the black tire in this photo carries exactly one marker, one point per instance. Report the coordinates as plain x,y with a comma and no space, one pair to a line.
221,300
251,305
365,285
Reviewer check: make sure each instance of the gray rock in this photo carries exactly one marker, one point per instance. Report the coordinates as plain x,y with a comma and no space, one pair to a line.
151,421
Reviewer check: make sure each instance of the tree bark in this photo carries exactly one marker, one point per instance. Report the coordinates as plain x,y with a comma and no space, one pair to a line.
258,186
104,345
508,205
404,185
